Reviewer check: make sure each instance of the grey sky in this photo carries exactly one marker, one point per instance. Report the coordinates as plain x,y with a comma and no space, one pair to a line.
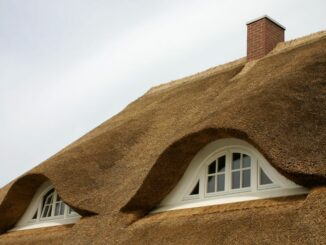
67,66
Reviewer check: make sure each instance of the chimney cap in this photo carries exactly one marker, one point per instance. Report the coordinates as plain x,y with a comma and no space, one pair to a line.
267,17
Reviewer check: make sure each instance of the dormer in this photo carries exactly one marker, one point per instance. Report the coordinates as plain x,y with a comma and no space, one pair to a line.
47,209
227,171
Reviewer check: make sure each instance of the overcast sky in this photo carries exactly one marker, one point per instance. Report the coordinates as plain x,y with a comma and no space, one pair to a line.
67,66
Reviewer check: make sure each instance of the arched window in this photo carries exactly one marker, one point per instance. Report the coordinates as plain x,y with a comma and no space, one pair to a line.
226,171
47,209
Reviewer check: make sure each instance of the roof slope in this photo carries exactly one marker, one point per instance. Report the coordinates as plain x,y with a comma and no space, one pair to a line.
133,160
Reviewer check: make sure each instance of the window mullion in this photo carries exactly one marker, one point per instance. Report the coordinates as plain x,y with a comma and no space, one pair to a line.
216,173
202,184
241,169
228,171
65,212
254,174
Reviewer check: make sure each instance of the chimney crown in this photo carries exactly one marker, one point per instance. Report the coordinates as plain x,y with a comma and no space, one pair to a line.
263,34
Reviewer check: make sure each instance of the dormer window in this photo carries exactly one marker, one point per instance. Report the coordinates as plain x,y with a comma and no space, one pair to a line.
52,207
226,171
230,172
47,209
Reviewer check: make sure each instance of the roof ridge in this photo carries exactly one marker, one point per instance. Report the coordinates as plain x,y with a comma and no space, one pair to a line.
297,42
208,72
282,47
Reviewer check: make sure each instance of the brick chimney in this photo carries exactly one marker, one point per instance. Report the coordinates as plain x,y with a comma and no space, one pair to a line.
263,34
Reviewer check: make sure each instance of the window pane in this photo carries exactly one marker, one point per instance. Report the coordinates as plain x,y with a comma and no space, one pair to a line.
236,180
49,199
221,164
62,210
72,212
246,178
49,214
45,211
211,184
220,182
212,168
246,161
35,215
264,180
195,191
236,160
57,209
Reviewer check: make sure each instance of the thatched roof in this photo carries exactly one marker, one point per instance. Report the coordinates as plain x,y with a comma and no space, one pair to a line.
121,170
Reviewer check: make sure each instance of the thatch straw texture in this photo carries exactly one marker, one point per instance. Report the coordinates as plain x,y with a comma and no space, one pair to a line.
122,169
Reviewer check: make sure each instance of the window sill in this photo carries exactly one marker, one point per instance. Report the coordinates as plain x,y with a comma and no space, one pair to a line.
47,223
237,197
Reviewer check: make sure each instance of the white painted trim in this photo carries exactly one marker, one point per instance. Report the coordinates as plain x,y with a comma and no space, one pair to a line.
267,17
179,197
47,224
26,221
242,197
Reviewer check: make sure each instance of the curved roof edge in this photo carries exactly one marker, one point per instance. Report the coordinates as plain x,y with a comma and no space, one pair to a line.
148,196
18,197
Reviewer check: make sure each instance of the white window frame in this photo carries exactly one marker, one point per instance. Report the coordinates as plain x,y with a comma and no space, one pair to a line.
180,198
26,222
